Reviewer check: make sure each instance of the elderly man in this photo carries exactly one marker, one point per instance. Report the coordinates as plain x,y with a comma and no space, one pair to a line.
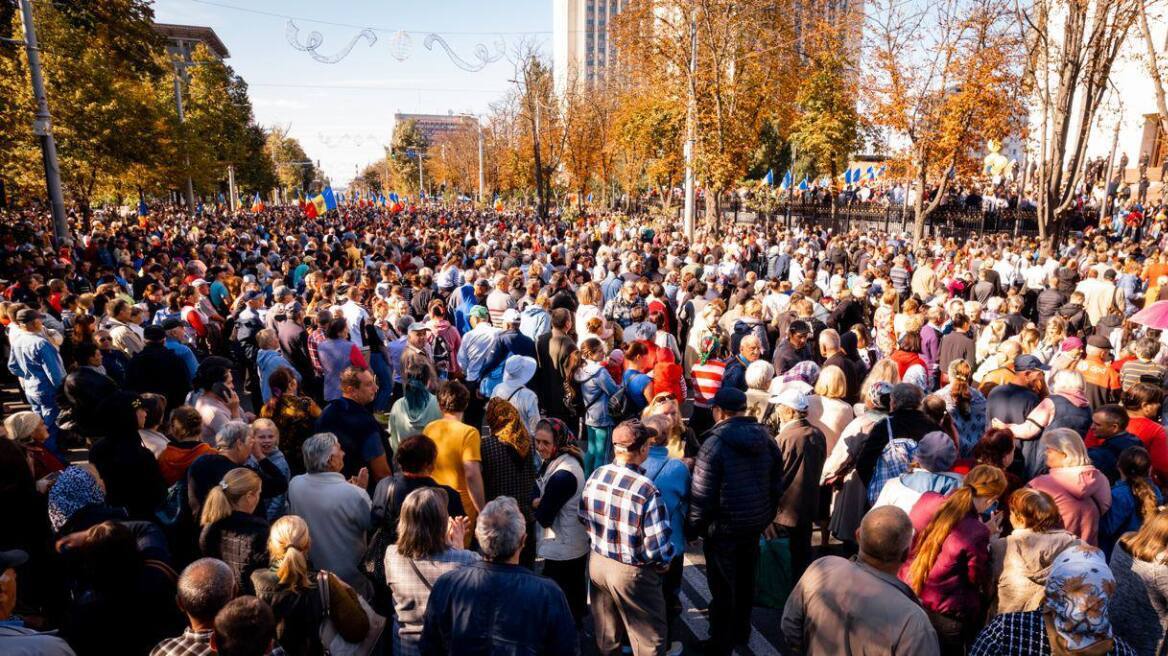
337,511
477,357
842,606
498,605
235,444
737,484
176,333
804,450
749,350
1066,407
1101,382
15,638
204,588
35,361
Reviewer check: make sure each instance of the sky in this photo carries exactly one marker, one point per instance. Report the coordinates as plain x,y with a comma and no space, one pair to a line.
342,113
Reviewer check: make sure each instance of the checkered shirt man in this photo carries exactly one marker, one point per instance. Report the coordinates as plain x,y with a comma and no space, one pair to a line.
624,516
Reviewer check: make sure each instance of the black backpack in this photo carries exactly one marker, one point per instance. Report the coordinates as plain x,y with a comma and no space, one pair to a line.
620,406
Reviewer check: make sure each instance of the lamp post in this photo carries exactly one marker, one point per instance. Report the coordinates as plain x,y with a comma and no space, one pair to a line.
482,181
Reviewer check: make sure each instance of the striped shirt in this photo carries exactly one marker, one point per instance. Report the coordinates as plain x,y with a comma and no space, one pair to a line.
625,518
1133,370
707,380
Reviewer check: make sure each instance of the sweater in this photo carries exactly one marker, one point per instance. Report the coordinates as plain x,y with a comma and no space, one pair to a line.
1082,496
1139,607
1021,563
240,540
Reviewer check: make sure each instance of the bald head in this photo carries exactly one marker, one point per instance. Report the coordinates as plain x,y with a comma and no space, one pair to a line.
204,588
885,535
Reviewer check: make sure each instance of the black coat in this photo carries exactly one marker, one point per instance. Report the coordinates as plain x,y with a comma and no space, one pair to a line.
130,472
737,481
159,370
81,393
1048,303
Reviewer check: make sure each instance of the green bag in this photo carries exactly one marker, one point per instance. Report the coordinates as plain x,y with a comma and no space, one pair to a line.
772,575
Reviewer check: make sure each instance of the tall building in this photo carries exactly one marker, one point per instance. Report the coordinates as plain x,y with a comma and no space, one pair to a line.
182,39
581,48
433,125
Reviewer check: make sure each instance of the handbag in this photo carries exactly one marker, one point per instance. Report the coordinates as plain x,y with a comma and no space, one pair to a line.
772,574
334,644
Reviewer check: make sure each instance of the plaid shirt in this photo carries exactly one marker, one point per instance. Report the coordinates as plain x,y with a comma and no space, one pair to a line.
894,461
194,643
625,518
315,338
1024,634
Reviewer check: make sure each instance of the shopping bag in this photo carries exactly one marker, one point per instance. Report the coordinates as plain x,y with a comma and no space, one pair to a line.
772,575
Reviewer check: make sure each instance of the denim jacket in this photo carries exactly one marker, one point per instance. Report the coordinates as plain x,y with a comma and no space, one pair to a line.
596,385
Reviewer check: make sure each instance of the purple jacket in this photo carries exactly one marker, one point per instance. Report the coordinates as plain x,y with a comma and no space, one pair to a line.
930,345
962,568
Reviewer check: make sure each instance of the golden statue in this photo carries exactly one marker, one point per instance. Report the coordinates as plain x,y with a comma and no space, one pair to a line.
996,165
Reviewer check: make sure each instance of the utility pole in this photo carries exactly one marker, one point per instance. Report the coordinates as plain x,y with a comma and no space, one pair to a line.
43,126
179,75
690,130
232,197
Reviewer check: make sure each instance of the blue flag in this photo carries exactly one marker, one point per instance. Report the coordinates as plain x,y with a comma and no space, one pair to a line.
803,185
770,178
143,210
330,201
788,180
393,196
871,173
848,176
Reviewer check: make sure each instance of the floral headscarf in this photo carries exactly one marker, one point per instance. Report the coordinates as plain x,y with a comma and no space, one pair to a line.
1078,590
806,371
506,425
880,393
562,437
708,347
75,489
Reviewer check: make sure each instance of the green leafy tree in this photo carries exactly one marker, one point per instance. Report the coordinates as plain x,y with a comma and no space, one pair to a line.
408,141
828,128
293,168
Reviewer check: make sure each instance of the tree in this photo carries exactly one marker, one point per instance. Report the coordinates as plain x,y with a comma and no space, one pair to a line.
293,168
943,78
647,142
1071,46
408,142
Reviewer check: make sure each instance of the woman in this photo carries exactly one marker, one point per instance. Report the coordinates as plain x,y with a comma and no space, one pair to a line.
417,407
1052,339
1078,488
1134,499
909,363
1139,611
948,566
184,445
908,320
586,370
131,474
292,590
1022,560
590,301
152,438
428,546
759,375
681,442
850,500
882,320
561,539
77,501
29,432
294,414
1143,403
826,409
231,531
989,339
637,383
508,468
336,354
966,405
217,401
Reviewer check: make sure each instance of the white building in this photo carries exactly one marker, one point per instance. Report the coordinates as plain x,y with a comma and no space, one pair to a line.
581,47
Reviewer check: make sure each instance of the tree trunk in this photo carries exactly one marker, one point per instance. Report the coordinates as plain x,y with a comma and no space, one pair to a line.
1154,68
711,208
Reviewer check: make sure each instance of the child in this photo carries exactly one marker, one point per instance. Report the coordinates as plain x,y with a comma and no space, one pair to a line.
1133,499
267,436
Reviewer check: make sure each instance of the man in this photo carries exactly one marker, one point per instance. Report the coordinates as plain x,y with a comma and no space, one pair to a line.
477,357
834,356
1049,301
957,345
337,511
245,627
794,350
1101,383
176,332
552,352
511,340
1007,352
1143,369
293,338
931,342
749,350
15,638
1013,400
361,435
860,606
125,338
269,359
631,545
804,450
497,605
204,588
35,361
157,369
499,301
459,461
737,484
1098,295
1110,425
82,393
355,315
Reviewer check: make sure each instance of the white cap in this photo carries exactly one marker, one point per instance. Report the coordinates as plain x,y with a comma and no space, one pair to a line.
511,316
792,398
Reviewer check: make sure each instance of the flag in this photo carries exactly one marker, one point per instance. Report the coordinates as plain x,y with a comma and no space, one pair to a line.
320,204
880,171
330,201
770,178
143,210
257,204
589,198
199,208
848,178
870,173
803,185
221,202
498,203
310,209
788,180
393,196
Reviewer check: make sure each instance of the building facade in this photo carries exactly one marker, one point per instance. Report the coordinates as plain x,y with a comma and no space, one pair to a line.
181,40
582,49
433,125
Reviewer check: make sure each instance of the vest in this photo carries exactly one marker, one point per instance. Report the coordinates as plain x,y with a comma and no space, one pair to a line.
1069,415
566,538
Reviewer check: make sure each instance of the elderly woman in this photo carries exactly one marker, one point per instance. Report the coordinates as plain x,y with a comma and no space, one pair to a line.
850,500
1072,619
1022,560
561,539
428,546
1066,407
1080,491
826,409
759,375
508,465
29,432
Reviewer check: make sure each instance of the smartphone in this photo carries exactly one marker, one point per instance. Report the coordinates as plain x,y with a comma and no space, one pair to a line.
989,512
221,390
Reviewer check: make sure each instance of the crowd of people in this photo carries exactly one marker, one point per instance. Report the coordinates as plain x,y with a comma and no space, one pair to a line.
455,431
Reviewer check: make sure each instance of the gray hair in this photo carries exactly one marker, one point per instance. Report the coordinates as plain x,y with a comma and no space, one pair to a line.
1066,380
759,374
906,395
500,529
232,433
317,450
205,587
830,339
1067,442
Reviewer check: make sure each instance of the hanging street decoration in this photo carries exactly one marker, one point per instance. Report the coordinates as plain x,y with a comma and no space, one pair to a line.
401,46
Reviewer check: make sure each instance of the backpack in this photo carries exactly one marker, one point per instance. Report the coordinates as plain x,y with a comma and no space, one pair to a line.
620,406
441,354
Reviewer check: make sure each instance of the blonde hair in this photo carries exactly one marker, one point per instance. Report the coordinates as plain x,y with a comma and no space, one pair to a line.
982,481
831,383
675,443
221,500
263,423
288,542
884,371
1150,543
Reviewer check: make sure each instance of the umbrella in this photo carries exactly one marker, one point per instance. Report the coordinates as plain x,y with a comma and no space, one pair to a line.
1153,316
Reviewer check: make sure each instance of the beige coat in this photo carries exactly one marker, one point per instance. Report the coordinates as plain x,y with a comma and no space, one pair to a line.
1021,563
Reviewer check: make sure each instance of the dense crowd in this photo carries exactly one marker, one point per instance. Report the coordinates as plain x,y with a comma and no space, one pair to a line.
447,431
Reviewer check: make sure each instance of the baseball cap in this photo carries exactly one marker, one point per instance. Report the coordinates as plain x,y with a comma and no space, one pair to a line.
1099,341
27,315
730,399
12,558
171,324
154,333
631,435
793,398
198,282
936,452
418,326
479,312
1029,363
511,316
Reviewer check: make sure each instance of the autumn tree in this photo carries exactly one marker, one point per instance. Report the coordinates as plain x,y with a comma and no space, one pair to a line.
647,143
454,159
404,150
293,168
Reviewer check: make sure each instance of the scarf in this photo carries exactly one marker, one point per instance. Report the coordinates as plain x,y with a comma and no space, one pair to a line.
507,426
563,440
1078,590
75,489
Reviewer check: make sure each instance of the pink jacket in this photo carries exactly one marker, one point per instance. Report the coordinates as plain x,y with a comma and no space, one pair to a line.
962,569
1082,495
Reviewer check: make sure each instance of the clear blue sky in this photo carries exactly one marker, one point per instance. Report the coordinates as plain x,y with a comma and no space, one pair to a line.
346,127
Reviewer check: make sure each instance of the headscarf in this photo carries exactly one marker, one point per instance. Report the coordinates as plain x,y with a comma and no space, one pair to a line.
563,440
20,426
708,346
1078,590
806,371
507,426
880,394
76,488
